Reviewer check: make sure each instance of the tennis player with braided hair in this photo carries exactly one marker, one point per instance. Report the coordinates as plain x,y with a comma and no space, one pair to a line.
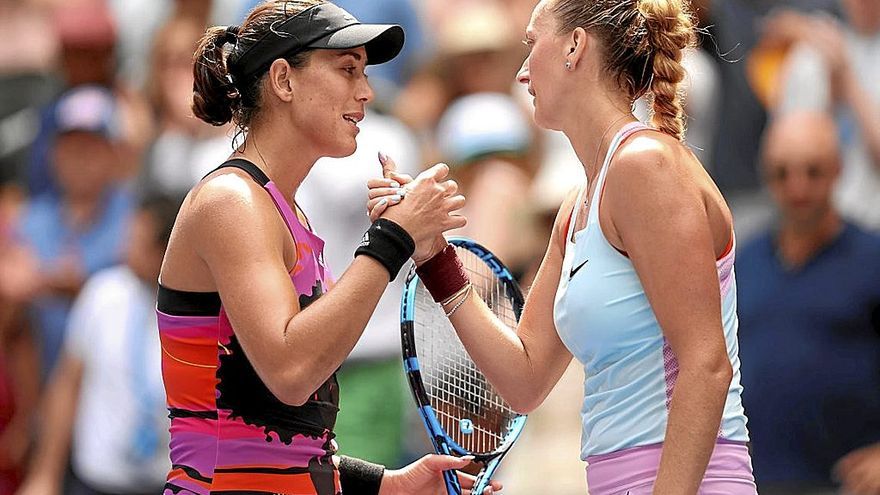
637,281
252,325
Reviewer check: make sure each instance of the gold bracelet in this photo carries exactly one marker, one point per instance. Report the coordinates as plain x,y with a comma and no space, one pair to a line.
451,298
459,303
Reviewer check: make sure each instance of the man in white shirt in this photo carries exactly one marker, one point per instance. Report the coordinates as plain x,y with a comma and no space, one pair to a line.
105,404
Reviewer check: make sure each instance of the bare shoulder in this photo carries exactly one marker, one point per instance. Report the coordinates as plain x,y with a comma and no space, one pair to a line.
655,178
227,215
229,202
649,159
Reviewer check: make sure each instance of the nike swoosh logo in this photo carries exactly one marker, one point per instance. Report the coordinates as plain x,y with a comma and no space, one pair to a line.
577,269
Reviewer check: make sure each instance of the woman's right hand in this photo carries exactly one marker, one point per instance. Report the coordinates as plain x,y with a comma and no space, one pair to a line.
426,205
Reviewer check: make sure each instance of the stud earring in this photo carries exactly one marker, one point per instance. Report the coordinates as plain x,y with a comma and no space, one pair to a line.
568,65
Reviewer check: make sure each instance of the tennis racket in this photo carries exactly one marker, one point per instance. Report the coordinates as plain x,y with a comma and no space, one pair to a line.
462,412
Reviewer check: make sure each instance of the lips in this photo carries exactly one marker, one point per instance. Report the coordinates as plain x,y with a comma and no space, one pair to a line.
353,118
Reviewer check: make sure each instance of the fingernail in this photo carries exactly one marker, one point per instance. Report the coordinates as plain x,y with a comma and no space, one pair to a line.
395,184
383,157
396,198
401,192
383,201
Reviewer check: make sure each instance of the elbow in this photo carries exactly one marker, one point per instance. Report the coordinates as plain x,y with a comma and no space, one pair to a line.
291,387
723,373
524,407
525,401
718,372
293,398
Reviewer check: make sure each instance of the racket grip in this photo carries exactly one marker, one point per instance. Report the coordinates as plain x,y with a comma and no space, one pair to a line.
452,485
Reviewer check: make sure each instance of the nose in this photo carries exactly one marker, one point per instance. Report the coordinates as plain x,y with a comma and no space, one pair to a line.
523,76
365,92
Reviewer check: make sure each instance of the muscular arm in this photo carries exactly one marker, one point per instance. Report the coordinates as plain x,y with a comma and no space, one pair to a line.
240,237
293,351
656,206
524,363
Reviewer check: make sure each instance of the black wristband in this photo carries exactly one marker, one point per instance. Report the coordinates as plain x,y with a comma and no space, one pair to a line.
359,477
387,243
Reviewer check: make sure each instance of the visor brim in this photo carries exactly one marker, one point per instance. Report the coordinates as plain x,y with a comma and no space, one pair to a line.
382,42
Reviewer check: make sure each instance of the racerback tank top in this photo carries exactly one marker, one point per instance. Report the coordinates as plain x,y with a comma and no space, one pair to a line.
229,433
604,318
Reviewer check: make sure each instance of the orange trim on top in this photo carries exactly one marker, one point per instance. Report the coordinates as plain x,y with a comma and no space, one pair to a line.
728,249
299,484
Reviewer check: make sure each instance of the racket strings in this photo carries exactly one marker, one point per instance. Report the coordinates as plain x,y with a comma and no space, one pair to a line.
467,406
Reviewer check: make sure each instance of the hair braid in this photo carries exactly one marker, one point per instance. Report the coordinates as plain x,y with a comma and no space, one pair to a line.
670,30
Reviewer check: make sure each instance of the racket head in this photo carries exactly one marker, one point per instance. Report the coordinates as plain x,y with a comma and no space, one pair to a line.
462,412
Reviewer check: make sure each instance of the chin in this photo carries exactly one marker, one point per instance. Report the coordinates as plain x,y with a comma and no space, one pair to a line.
542,121
342,150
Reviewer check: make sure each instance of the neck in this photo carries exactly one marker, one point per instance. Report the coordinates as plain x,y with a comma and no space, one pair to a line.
592,128
283,156
799,243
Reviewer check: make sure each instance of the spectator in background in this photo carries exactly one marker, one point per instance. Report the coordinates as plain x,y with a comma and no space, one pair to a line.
809,320
19,383
477,51
186,148
835,69
27,55
486,139
64,238
372,421
106,402
87,33
139,22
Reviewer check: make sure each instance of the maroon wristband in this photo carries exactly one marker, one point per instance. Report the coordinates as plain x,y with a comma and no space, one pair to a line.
443,275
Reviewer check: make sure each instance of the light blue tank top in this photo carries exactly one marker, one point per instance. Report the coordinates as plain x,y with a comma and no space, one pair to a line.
605,320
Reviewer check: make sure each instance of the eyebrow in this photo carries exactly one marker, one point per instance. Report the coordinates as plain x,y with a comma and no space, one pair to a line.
357,56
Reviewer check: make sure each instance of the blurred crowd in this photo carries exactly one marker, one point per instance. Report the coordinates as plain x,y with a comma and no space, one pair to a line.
98,145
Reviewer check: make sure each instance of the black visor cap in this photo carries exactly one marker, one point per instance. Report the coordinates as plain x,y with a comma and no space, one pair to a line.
383,42
323,26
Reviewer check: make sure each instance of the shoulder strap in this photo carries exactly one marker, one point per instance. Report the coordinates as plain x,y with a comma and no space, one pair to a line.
289,217
621,136
248,167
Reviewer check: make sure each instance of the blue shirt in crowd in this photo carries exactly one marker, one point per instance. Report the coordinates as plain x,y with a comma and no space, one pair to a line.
810,351
44,229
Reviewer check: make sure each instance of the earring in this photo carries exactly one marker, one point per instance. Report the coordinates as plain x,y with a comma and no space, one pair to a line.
568,65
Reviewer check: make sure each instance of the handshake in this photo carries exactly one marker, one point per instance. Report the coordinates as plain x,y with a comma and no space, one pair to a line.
430,209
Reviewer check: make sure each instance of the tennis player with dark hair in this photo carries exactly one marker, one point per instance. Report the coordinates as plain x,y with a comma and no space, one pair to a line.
637,281
251,331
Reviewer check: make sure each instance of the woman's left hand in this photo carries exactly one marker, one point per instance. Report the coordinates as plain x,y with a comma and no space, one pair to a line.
425,477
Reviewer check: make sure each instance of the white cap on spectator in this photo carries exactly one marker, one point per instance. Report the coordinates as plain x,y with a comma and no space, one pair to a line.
482,124
87,109
481,27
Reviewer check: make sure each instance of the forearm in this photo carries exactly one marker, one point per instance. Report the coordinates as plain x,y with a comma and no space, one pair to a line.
319,338
502,355
867,114
692,430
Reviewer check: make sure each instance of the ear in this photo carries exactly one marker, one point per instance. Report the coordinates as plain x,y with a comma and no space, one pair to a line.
280,80
576,47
